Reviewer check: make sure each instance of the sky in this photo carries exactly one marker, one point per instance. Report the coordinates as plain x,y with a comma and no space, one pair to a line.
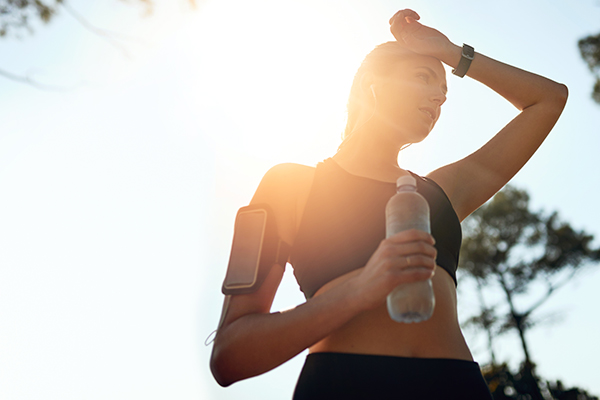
118,194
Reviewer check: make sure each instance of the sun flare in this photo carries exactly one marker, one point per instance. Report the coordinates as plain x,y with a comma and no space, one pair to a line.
277,76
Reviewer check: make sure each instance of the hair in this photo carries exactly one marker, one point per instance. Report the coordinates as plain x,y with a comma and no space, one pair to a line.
381,61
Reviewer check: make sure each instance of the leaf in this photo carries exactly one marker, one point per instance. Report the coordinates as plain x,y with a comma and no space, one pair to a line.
589,47
507,243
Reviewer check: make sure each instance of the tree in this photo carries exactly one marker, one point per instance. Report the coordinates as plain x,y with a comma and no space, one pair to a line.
559,392
18,16
15,15
590,51
522,254
505,385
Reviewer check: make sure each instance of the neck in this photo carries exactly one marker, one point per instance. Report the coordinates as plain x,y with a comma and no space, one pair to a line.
369,153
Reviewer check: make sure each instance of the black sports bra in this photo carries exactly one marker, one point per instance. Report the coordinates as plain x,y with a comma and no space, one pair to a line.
344,222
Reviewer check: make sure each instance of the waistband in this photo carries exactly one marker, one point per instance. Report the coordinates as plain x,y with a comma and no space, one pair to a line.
361,376
393,360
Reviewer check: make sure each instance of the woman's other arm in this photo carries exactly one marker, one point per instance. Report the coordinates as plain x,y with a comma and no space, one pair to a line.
252,340
470,182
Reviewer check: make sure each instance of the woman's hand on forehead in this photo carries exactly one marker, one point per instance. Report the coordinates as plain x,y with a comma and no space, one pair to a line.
417,37
403,14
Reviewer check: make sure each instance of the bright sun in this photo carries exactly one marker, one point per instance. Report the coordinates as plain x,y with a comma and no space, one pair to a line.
275,76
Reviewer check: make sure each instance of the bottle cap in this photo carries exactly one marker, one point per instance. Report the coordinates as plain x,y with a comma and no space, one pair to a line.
406,180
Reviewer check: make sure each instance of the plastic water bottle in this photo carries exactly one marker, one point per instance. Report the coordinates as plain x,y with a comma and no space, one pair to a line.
407,209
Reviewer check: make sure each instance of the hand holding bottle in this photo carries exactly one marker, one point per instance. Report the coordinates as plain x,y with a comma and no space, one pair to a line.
406,257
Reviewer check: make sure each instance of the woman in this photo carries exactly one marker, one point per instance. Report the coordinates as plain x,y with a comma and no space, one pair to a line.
333,215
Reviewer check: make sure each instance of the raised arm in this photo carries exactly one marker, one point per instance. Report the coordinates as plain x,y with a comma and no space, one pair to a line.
252,340
470,182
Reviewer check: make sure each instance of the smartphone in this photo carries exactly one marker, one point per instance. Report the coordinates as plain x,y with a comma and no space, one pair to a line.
246,249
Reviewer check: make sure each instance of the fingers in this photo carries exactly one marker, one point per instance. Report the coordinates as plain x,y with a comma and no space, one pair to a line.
412,235
402,251
417,262
403,25
406,257
409,275
402,14
408,269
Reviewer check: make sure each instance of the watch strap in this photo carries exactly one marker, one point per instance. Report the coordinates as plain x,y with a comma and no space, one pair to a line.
468,53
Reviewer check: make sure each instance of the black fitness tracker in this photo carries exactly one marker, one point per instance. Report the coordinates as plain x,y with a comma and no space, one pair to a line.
468,53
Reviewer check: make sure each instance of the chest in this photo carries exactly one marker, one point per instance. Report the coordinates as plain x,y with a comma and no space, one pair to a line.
339,227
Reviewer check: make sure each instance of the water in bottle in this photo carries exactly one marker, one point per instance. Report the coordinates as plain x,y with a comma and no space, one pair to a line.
407,209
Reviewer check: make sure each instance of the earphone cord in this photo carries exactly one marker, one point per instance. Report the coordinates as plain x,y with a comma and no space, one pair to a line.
211,336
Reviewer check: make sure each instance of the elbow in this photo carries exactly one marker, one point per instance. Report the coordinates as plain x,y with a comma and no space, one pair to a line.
221,368
565,90
222,379
553,99
558,97
562,95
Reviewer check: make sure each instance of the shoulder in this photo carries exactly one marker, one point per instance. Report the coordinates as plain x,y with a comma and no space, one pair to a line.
286,172
282,181
283,187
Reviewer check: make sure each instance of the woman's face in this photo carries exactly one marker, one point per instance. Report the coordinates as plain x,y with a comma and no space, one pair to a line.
409,101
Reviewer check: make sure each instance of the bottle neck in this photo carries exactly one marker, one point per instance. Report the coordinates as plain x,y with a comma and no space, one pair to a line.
406,188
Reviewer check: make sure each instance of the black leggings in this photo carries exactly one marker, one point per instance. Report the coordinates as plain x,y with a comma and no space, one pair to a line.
357,376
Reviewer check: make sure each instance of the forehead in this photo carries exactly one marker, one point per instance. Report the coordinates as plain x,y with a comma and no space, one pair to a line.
428,63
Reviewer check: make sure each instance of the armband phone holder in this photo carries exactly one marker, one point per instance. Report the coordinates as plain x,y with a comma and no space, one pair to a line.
255,249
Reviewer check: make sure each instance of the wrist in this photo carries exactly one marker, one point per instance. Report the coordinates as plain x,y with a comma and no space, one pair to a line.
467,56
452,55
361,297
356,299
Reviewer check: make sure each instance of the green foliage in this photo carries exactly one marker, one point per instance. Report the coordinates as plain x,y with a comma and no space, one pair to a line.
590,52
500,381
487,319
509,248
596,91
507,385
494,231
16,15
559,392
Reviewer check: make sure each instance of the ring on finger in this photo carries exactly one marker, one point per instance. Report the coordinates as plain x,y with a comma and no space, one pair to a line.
407,260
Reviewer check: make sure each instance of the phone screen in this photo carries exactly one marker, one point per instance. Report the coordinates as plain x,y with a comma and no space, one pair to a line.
246,249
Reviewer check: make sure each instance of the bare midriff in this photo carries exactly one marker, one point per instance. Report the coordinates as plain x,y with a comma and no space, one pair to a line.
374,332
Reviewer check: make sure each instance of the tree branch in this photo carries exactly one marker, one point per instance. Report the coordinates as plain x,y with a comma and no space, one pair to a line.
29,81
551,289
110,37
487,322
